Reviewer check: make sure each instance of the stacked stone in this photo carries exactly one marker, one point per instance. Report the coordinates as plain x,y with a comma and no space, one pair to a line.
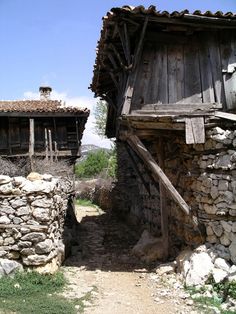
206,178
32,213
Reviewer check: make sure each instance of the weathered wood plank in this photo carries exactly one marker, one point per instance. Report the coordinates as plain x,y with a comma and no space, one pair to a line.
216,68
194,130
175,73
163,201
192,83
159,85
184,107
205,69
228,59
156,171
225,115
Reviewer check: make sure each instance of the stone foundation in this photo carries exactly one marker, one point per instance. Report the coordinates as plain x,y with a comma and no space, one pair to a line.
204,175
32,217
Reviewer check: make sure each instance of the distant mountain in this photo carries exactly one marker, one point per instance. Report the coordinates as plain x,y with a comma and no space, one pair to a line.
88,148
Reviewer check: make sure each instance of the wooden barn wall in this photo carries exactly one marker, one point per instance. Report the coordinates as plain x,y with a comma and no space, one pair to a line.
197,68
14,133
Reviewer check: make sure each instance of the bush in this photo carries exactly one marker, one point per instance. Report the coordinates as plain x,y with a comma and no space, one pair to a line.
97,163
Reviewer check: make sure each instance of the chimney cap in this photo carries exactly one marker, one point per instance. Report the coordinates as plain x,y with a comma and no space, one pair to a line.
45,89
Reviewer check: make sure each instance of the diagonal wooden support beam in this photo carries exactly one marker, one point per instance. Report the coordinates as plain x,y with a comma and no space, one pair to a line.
156,171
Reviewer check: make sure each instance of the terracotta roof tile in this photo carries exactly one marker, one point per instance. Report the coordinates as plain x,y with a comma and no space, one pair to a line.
38,106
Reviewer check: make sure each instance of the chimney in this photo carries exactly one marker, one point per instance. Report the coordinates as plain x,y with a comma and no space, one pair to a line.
45,92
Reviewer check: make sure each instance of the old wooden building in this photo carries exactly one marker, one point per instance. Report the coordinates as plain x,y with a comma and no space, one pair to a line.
170,82
51,123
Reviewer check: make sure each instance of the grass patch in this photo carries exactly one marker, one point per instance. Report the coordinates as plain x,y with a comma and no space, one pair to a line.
31,292
219,291
84,202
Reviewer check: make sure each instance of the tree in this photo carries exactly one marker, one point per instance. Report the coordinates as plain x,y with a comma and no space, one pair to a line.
100,113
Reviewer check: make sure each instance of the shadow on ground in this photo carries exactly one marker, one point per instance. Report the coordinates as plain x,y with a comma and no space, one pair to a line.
102,241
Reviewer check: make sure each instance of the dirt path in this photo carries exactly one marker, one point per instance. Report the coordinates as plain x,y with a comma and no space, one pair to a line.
108,280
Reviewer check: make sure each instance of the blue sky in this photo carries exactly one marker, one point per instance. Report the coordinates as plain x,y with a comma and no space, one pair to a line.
53,42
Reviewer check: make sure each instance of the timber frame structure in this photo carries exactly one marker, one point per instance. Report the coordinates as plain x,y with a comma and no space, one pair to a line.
38,127
165,73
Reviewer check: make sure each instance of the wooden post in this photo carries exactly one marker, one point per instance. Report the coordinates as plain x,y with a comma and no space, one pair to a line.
31,142
156,171
56,151
50,145
163,203
46,144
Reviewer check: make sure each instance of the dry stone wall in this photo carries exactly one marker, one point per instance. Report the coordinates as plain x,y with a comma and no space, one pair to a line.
32,216
204,174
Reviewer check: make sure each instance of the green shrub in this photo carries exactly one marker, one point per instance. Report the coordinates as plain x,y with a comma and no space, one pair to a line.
96,163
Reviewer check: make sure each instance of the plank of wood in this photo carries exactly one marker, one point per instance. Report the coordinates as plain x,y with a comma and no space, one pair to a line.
31,142
175,73
192,82
225,115
158,125
156,171
184,107
132,77
158,90
216,68
228,59
194,130
163,201
208,95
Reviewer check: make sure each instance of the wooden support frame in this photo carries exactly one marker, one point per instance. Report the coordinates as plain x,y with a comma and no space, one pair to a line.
163,201
156,171
132,77
31,143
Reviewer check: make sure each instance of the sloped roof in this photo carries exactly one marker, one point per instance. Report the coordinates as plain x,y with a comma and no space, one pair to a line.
39,106
134,17
151,10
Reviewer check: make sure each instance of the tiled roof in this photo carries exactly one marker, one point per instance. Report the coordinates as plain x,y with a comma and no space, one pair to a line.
175,14
39,106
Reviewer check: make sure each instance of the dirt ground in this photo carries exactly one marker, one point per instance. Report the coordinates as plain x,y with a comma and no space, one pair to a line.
102,272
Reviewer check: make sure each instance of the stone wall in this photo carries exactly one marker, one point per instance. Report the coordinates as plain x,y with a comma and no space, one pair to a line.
205,176
135,198
32,217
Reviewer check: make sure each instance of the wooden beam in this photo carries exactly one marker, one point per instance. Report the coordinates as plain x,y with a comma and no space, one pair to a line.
132,77
225,115
124,37
156,171
182,107
194,130
31,142
163,201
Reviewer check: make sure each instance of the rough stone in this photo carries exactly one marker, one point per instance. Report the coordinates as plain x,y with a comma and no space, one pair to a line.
18,202
43,202
224,239
223,185
21,211
5,220
218,229
4,179
44,247
28,251
6,188
10,267
34,176
41,214
6,209
221,264
34,237
24,244
219,275
232,250
200,268
226,225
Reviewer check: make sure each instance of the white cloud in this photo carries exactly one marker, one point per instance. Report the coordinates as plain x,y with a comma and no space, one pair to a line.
89,136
